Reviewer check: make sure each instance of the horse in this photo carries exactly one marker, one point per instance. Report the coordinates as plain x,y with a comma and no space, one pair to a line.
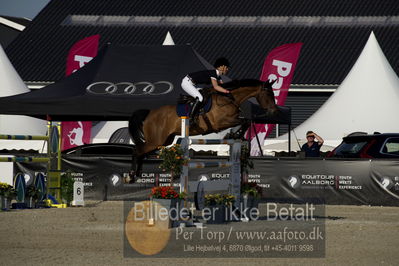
150,129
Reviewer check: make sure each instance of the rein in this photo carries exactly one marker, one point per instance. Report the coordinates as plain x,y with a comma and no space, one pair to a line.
235,85
230,98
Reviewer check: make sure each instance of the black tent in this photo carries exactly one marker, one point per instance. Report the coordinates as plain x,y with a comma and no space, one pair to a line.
117,82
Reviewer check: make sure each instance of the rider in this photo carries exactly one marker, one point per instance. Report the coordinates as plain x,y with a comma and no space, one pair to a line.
205,77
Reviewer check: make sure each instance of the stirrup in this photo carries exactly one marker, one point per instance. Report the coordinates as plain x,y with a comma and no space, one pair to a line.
195,109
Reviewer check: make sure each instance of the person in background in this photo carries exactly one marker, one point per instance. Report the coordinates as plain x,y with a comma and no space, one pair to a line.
205,77
312,147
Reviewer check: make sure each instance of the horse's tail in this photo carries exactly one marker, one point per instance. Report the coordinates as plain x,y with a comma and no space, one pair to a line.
136,122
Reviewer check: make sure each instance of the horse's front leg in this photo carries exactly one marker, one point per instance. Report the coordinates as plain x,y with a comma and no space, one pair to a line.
244,127
239,132
139,166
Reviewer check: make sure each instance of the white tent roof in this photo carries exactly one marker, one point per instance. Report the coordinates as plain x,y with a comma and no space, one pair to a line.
11,84
367,101
168,40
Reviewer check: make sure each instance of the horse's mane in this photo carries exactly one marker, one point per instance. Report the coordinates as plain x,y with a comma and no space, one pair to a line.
235,84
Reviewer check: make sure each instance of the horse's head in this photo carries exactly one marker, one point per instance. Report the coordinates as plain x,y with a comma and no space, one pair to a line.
246,88
266,97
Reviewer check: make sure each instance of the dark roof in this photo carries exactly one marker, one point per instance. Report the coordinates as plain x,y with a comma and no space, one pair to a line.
9,33
331,43
223,8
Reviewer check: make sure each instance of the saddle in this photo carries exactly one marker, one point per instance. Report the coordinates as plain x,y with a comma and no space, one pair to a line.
185,103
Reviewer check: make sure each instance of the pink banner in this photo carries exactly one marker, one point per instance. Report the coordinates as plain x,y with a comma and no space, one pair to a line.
75,134
81,53
279,65
78,133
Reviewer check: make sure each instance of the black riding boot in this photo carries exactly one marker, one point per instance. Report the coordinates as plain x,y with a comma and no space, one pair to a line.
195,110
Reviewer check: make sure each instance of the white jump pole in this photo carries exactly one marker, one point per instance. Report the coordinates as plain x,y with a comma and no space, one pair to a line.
185,133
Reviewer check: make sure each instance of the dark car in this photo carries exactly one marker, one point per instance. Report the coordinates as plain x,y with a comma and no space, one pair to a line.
108,149
362,145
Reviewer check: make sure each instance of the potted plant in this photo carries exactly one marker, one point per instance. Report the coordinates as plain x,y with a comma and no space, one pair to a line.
218,208
7,193
32,195
67,187
172,160
2,189
166,195
250,195
168,198
1,194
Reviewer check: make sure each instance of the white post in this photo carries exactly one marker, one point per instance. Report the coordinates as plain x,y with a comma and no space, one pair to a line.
185,129
235,172
78,194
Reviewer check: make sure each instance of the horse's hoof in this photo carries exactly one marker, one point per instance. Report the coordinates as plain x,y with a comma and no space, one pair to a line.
131,178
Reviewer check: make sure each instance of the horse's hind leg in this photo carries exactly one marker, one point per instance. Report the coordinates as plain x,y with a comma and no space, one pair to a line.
158,129
161,130
140,152
133,167
137,166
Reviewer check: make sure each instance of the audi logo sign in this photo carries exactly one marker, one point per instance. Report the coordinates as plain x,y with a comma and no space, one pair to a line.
129,88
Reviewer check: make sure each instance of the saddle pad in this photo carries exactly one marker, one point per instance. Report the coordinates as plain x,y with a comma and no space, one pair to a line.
184,109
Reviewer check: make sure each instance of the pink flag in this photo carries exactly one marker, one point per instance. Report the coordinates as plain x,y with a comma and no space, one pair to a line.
279,65
75,134
81,53
78,133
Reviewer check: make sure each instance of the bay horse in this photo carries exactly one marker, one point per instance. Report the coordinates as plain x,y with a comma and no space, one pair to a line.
151,129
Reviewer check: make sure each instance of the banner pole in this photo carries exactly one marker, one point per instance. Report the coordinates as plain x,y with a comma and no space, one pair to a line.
289,138
257,139
59,159
49,156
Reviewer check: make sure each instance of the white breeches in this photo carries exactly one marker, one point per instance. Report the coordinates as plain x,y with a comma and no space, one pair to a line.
189,87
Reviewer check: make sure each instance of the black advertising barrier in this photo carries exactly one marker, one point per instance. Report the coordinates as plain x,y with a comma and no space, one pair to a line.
352,182
385,176
333,181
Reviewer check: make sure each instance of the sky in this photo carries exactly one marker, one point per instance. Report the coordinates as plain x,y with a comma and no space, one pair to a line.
22,8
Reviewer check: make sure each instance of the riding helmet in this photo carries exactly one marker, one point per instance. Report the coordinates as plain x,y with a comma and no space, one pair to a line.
221,61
